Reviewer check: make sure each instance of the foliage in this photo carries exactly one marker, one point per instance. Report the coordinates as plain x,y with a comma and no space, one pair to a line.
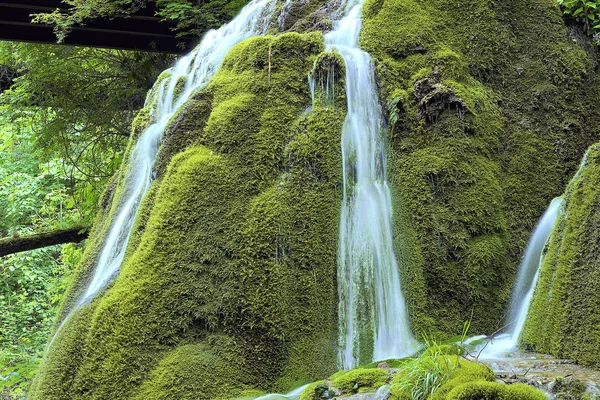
585,11
194,18
80,103
190,17
436,374
35,195
421,377
35,192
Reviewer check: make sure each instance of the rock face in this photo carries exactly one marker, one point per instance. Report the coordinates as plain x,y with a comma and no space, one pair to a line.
229,280
563,319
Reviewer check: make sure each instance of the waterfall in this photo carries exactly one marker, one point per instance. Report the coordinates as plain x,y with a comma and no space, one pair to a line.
368,277
189,73
529,270
527,277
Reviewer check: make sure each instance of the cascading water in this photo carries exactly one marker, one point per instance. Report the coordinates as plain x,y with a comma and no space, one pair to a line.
190,73
368,277
526,280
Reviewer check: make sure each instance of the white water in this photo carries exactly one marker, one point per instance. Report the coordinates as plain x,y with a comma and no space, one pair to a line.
529,270
368,277
293,395
195,70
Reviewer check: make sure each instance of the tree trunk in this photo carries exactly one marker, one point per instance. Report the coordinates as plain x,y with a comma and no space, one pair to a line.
17,244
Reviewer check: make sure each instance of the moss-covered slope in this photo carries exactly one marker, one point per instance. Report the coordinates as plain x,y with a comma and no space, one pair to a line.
491,104
563,318
229,282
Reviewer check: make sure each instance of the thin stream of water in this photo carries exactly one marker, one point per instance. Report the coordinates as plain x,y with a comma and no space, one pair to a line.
368,274
190,73
528,274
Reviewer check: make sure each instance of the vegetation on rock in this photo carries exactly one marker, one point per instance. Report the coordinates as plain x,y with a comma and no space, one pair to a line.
490,111
229,285
253,205
563,318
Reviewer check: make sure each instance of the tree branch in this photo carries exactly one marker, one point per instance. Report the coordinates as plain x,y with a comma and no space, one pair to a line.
17,244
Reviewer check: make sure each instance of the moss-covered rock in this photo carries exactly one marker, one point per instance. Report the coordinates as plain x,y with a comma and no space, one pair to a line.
229,280
490,105
495,391
360,380
563,317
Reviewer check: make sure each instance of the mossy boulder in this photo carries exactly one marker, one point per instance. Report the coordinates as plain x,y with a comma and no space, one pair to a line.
228,284
495,391
563,319
490,107
360,380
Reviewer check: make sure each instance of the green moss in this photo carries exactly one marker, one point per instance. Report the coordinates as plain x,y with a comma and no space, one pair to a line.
184,129
563,318
360,380
190,369
246,299
495,391
309,392
464,372
569,388
489,112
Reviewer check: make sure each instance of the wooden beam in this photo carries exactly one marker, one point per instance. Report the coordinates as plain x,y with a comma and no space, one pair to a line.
18,244
142,31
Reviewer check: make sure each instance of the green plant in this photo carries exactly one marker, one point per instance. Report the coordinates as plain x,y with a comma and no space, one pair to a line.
585,11
419,379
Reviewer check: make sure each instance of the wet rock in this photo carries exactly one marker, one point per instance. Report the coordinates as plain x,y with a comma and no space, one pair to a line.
434,98
323,392
568,388
383,365
308,15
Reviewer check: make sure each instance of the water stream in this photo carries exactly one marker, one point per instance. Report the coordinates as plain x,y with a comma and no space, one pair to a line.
293,395
368,277
527,277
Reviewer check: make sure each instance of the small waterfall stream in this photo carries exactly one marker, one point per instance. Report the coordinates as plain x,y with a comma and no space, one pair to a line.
189,73
525,284
368,277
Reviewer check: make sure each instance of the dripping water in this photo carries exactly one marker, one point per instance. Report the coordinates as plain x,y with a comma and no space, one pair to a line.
293,395
192,72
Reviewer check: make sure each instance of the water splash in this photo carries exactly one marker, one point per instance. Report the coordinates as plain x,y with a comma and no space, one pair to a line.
189,74
368,277
529,270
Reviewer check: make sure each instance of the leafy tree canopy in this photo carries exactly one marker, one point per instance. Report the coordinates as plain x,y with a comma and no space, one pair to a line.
79,103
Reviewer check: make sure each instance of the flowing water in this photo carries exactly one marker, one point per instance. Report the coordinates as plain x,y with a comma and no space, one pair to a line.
190,73
368,276
293,395
529,270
